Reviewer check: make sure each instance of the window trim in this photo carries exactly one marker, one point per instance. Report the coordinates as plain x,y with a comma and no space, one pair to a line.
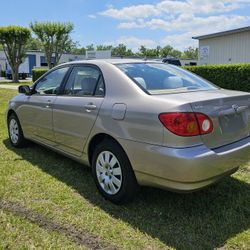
47,73
83,65
170,65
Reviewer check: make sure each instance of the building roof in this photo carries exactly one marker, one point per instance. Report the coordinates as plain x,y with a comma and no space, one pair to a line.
223,33
42,52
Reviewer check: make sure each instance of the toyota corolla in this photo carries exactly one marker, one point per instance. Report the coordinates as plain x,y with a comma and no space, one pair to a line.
135,123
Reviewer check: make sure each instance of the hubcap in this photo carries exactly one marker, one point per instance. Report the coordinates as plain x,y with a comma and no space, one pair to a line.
14,131
109,173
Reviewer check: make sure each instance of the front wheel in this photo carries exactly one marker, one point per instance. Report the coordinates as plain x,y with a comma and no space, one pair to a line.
15,132
113,173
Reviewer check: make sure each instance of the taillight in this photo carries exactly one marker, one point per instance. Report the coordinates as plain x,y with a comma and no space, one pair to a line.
187,123
205,123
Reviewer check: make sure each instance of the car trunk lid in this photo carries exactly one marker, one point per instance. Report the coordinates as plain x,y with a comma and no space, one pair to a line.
230,116
228,110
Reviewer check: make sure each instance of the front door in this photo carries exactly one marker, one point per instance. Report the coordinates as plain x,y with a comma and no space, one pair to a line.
36,113
75,111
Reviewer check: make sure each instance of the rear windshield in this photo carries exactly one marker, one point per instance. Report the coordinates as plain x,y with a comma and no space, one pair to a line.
159,78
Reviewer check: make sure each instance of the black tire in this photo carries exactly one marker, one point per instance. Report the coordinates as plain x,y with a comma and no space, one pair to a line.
20,141
129,186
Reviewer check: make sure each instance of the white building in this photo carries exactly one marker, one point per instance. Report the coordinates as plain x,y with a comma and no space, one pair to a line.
227,47
98,54
37,59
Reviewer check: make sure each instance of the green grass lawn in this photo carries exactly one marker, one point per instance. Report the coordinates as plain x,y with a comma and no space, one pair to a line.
17,83
49,201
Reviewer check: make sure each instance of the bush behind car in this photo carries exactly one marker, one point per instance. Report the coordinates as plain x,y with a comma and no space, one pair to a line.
38,72
232,76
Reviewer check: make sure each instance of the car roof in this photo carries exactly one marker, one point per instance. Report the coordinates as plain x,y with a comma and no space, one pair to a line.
110,61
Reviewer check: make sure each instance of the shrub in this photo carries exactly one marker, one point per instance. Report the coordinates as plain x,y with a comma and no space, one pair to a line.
3,73
232,76
38,72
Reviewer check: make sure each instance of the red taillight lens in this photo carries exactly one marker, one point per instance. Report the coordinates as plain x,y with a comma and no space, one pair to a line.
187,123
205,123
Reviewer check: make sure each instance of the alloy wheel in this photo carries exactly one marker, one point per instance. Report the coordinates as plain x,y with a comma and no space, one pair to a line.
109,173
14,131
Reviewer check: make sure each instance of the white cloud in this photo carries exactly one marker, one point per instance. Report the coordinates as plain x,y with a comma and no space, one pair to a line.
92,16
174,7
201,26
180,41
188,22
208,24
179,19
132,42
132,12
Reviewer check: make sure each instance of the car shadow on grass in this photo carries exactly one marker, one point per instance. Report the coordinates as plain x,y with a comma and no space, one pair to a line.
202,220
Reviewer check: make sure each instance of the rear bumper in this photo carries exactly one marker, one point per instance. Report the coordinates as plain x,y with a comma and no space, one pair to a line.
185,169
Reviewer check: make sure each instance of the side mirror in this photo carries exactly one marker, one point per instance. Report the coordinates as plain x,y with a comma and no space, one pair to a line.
24,89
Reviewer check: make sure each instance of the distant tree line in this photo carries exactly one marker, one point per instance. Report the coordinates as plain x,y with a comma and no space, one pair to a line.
53,38
121,50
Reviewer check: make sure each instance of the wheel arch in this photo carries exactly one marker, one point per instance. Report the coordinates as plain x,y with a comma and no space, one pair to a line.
10,112
96,140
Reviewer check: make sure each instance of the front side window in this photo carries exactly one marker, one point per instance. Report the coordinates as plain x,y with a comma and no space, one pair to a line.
50,84
159,78
84,81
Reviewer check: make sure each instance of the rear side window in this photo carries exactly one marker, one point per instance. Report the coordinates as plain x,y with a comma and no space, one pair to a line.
84,81
159,78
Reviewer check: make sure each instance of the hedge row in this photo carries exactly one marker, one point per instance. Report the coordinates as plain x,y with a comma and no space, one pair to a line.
232,76
38,72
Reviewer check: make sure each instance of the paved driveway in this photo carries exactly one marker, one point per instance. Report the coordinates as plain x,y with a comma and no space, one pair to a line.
6,86
3,79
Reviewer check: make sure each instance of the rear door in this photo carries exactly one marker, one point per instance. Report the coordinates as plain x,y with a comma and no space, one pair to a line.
76,110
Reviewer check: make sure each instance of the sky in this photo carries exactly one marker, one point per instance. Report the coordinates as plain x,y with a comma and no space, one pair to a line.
134,23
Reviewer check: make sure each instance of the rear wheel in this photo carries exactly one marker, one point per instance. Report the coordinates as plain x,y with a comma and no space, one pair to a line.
113,173
15,132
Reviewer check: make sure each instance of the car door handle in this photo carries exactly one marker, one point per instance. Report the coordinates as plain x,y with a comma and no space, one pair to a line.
48,104
89,107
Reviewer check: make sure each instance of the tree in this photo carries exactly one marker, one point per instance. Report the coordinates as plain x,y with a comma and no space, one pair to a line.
176,53
13,40
104,47
75,48
169,51
129,52
55,38
158,51
34,44
190,53
121,51
166,51
90,47
143,51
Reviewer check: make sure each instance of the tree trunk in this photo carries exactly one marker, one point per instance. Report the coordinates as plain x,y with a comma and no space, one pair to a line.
48,55
15,75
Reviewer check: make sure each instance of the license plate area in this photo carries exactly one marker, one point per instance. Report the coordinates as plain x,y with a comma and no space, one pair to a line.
234,123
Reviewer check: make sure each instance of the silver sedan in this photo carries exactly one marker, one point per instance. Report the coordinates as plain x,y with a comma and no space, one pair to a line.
135,123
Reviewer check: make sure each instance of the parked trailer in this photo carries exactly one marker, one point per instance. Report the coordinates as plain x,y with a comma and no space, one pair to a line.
23,70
